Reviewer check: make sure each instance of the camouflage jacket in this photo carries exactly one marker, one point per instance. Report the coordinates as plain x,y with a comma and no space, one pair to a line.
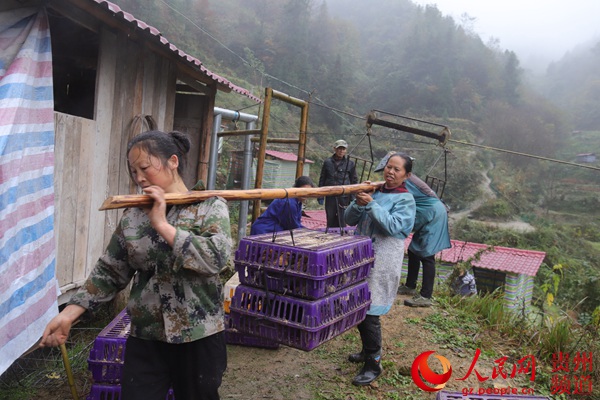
176,292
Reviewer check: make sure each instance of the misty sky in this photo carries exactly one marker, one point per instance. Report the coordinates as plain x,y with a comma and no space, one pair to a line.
539,31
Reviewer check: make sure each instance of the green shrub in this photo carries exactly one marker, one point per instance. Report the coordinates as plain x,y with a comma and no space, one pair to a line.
555,336
495,209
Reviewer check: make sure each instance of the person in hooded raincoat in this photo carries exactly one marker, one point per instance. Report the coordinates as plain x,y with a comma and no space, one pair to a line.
430,236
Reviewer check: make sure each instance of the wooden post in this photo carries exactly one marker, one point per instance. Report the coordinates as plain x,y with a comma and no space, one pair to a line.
260,159
302,141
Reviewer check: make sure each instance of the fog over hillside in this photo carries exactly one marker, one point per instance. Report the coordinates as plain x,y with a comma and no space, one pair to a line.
539,31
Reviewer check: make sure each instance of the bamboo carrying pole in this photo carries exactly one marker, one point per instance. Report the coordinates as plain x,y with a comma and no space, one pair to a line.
65,357
141,200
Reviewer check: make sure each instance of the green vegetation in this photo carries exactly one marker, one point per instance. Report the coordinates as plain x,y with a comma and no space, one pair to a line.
41,374
348,58
459,331
494,209
462,325
565,244
542,337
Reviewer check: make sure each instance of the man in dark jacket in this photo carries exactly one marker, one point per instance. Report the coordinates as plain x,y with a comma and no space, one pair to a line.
337,170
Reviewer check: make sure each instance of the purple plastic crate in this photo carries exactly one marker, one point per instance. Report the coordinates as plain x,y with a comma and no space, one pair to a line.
113,392
443,395
106,356
348,230
233,336
306,252
300,313
303,339
105,371
290,283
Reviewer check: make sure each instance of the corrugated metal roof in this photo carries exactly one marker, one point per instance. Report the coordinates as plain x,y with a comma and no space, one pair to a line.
286,156
194,62
316,219
505,259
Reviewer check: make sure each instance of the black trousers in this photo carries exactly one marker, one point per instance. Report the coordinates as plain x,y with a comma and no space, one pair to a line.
194,370
370,335
334,209
414,263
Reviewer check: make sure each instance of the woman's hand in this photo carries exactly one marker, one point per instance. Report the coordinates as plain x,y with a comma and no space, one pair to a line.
158,213
362,198
370,190
58,328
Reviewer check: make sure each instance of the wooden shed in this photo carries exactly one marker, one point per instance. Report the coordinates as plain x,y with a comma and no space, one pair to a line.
113,76
279,169
509,269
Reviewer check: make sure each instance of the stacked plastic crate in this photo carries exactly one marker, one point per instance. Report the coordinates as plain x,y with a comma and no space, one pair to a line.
301,288
232,335
106,359
348,230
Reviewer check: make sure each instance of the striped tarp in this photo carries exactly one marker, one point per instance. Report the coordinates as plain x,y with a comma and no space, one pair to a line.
28,286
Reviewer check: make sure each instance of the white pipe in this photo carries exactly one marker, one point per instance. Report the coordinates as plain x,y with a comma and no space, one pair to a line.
250,121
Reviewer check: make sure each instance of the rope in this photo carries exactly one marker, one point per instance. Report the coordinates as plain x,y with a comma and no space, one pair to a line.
250,106
337,111
289,219
287,200
446,165
525,155
146,123
139,124
371,152
434,163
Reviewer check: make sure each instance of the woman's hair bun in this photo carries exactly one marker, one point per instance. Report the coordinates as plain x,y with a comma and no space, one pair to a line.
182,140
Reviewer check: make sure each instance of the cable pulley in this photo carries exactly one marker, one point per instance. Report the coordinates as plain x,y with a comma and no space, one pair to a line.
442,136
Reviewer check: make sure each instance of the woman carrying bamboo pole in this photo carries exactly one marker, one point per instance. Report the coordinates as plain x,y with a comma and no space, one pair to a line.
174,256
387,216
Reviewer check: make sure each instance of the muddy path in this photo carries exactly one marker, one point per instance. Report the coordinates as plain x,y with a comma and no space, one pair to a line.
488,194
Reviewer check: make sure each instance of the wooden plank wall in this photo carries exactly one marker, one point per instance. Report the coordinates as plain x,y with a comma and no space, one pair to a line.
90,154
189,118
192,127
102,157
144,86
74,144
206,134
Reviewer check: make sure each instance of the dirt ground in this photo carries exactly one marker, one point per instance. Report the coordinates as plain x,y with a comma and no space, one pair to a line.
325,374
288,373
